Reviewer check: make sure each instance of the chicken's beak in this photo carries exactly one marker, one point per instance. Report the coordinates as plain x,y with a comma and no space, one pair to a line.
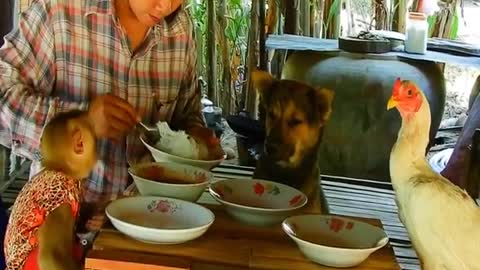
391,103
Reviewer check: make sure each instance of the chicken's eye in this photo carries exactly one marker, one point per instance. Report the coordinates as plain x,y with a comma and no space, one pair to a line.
409,92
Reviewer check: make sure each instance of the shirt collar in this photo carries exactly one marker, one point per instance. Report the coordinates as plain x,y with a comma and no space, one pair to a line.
173,26
99,7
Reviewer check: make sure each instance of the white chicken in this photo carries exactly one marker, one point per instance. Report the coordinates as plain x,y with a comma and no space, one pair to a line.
443,222
179,143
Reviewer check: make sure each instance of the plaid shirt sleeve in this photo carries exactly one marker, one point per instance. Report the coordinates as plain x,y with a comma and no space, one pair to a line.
27,77
188,110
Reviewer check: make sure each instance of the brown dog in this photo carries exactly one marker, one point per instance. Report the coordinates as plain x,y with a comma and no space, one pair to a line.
295,115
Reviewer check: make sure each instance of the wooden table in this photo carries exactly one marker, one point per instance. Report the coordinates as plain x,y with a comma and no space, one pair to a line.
226,245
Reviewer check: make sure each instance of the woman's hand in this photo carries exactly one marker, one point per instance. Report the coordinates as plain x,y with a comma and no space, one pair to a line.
112,117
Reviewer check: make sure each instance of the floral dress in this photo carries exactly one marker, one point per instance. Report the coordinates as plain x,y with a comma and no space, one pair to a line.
44,193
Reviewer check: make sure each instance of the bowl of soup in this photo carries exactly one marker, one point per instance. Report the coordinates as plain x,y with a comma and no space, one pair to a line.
257,202
172,180
159,220
333,240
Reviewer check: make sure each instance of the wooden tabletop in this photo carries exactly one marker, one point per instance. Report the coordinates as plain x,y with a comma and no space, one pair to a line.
226,245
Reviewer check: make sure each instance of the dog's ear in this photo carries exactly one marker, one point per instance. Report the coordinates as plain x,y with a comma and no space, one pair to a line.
324,99
262,81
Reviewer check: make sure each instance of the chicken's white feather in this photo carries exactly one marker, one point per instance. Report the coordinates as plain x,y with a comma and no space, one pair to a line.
443,222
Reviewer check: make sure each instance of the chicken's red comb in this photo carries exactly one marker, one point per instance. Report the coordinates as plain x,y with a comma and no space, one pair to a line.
396,87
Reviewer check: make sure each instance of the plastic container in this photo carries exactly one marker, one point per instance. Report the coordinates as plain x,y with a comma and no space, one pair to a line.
416,36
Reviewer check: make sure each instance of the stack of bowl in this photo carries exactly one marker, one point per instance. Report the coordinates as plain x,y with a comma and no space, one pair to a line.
165,212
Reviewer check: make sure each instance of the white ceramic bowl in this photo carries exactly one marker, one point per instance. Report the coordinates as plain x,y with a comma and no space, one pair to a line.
159,156
334,241
257,202
170,180
159,220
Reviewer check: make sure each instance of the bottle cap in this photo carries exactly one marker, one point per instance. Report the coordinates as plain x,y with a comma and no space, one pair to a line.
417,16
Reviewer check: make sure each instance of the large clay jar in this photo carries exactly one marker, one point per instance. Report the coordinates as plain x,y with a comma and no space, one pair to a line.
361,132
6,18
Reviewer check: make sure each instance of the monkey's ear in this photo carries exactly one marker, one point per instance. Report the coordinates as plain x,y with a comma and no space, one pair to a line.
78,141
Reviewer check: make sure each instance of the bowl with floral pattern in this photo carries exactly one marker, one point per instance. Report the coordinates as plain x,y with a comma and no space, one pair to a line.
257,202
333,240
170,180
159,220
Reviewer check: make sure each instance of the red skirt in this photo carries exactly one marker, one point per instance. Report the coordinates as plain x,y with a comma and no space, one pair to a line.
32,260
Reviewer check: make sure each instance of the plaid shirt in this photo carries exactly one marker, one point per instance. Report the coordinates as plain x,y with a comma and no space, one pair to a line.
67,51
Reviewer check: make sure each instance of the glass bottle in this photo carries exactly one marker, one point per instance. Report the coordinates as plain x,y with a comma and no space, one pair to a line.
416,35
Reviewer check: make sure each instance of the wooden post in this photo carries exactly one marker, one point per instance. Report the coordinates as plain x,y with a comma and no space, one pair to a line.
271,20
211,53
262,38
226,93
291,17
313,18
380,9
251,103
305,17
399,19
333,29
320,20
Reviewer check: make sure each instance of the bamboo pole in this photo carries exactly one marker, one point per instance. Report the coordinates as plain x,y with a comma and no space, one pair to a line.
211,53
400,16
223,44
272,17
305,17
251,103
333,29
320,19
380,8
262,37
313,18
291,17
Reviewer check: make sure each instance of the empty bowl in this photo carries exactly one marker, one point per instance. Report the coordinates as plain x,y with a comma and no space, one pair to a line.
159,220
170,180
334,241
159,155
257,202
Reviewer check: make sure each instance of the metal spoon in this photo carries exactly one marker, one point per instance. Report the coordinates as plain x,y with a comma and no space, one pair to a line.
151,132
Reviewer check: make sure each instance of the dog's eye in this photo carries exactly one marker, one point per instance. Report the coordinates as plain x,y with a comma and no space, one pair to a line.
294,122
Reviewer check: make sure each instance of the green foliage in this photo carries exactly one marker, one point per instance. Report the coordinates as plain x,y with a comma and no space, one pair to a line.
238,19
432,20
236,33
237,26
333,12
454,29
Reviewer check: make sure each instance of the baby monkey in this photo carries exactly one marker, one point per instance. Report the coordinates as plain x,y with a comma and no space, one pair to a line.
41,229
